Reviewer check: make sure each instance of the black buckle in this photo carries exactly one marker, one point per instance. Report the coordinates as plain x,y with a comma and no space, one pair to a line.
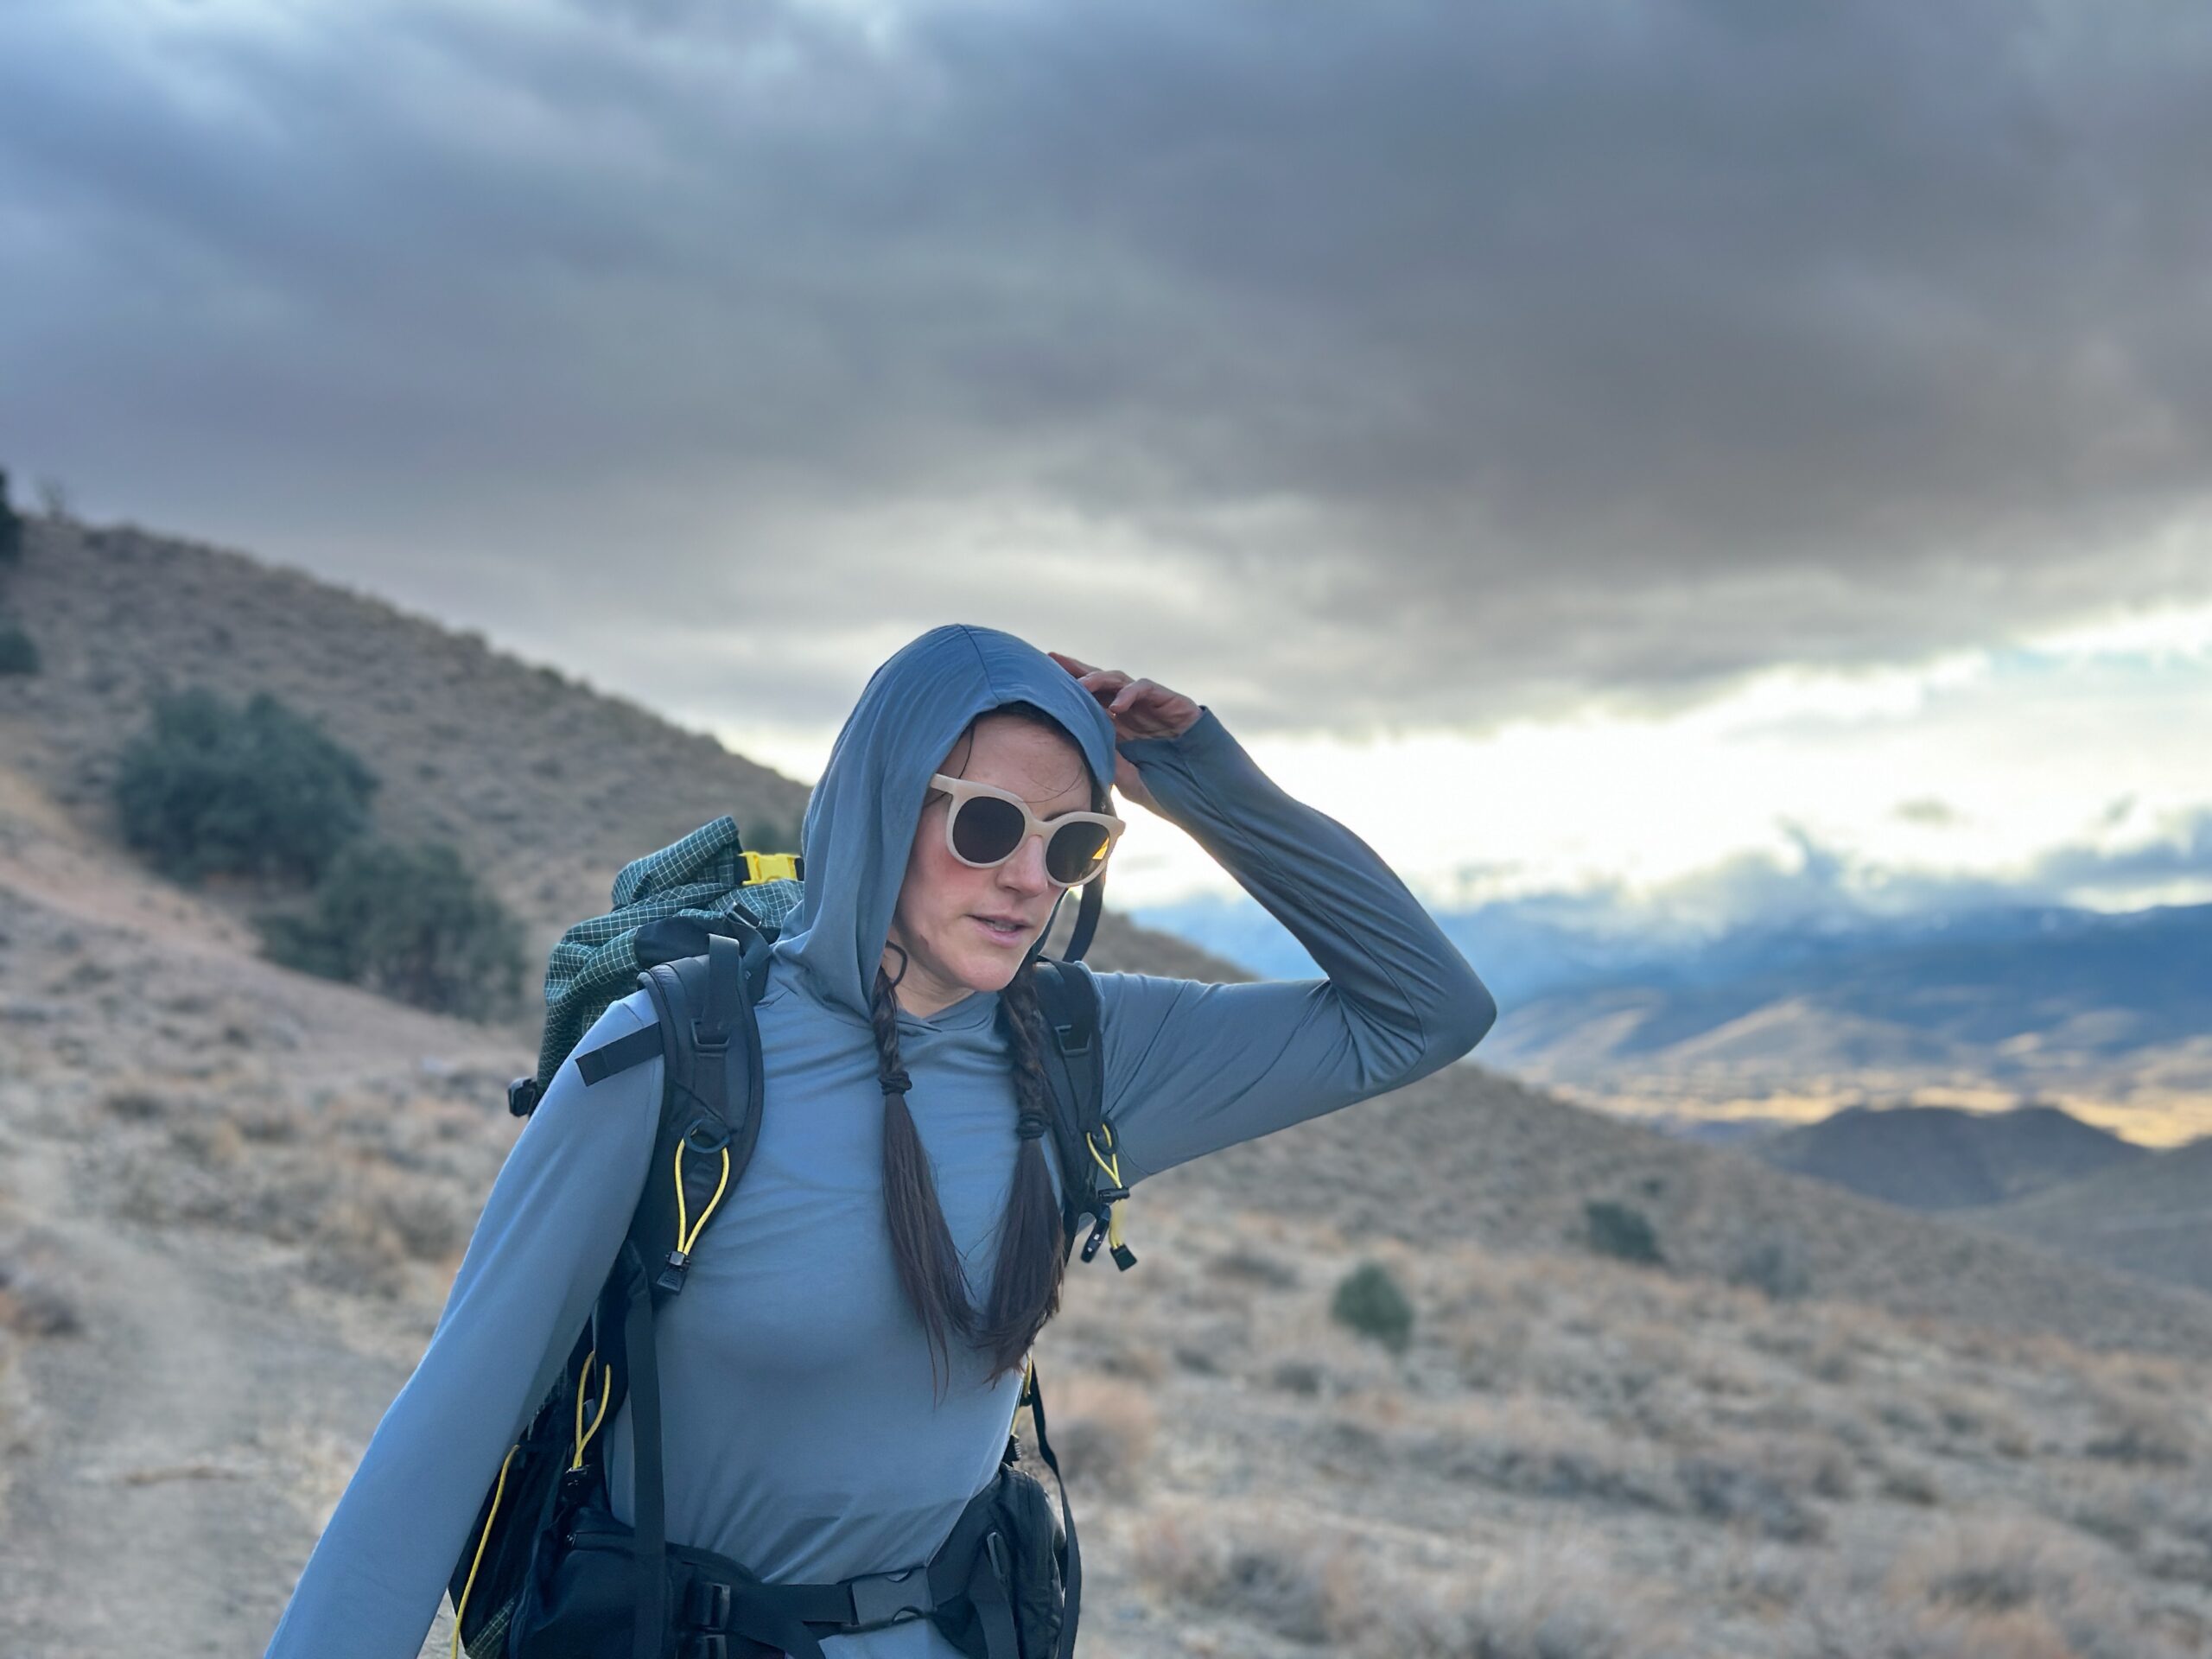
889,1597
671,1275
1065,1036
706,1605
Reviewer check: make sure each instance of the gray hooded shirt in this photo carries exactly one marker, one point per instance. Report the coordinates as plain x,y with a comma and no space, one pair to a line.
803,1435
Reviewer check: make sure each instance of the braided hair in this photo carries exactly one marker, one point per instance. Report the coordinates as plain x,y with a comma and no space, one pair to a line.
1032,1259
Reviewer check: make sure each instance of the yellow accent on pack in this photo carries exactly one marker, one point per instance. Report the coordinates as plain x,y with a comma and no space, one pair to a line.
771,867
685,1240
1111,1163
477,1560
583,1388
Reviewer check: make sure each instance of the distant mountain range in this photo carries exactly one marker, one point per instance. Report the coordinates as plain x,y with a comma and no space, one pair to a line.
1997,1004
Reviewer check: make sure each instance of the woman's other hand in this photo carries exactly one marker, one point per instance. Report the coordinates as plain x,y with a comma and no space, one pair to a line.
1139,708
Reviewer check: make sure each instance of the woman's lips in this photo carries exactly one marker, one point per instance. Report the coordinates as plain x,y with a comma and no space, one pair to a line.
998,935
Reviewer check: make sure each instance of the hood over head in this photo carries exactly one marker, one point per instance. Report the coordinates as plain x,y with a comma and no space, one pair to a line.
859,823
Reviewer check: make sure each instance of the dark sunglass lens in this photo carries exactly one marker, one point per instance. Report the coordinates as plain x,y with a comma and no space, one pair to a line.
985,830
1072,855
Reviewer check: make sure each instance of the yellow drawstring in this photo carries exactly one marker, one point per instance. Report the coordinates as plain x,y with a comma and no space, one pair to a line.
684,1241
1111,1163
477,1560
583,1387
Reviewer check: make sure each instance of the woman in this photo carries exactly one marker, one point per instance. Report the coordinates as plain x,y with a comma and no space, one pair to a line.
838,1375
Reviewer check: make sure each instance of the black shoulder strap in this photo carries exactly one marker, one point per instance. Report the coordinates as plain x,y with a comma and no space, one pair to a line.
1076,1067
709,1122
1086,917
710,1102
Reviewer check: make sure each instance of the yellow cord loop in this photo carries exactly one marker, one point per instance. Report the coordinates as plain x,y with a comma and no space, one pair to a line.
583,1388
1110,1161
687,1233
477,1560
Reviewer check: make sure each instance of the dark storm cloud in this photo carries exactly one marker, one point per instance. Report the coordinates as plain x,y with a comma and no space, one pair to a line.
1375,361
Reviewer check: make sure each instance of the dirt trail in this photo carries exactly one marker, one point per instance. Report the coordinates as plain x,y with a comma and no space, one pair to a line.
187,1443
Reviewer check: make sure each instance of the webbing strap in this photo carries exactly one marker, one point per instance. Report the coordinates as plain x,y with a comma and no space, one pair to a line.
987,1594
725,993
1073,1062
1072,1601
762,1614
1086,917
649,1522
603,1062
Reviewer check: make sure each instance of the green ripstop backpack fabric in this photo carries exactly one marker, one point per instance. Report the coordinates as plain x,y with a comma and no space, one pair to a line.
594,964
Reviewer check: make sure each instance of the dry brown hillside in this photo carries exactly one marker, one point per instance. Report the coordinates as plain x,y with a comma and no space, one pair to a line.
232,1198
547,785
2152,1216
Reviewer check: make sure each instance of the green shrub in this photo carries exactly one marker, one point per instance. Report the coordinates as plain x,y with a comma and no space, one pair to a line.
1620,1230
11,526
18,653
209,788
411,923
1774,1263
1369,1300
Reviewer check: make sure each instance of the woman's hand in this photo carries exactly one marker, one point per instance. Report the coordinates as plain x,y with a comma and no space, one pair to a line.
1139,708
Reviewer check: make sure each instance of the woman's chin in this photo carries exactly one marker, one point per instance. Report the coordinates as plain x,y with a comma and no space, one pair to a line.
991,974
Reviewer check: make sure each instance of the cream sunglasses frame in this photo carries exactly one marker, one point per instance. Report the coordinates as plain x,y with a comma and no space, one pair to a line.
963,790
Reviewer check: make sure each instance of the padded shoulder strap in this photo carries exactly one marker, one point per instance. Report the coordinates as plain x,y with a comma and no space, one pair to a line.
710,1103
1075,1064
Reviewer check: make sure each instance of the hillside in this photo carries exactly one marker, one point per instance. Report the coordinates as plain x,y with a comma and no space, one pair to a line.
547,787
2152,1216
1468,1156
1942,1158
232,1198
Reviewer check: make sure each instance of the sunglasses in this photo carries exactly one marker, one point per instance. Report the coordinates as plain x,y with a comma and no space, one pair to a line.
985,826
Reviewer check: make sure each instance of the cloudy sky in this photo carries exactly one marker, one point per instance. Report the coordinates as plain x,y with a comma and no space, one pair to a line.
1583,443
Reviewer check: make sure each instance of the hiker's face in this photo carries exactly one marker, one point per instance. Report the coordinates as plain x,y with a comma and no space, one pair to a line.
945,906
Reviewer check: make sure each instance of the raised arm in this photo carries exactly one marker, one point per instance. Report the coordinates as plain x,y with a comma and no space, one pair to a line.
1191,1067
549,1231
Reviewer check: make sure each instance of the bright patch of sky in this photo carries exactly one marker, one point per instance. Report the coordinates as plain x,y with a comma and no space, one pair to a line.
1971,765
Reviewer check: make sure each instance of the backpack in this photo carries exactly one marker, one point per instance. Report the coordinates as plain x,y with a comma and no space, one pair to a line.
547,1571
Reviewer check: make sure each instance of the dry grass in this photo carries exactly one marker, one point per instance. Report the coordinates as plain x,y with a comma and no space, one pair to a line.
370,1183
1102,1433
1803,1478
1556,1597
2007,1585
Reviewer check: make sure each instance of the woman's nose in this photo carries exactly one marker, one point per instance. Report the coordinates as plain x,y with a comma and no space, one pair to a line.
1026,869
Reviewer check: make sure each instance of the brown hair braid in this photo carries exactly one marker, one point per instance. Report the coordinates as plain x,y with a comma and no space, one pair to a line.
921,1243
1031,1260
1033,1240
1033,1246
